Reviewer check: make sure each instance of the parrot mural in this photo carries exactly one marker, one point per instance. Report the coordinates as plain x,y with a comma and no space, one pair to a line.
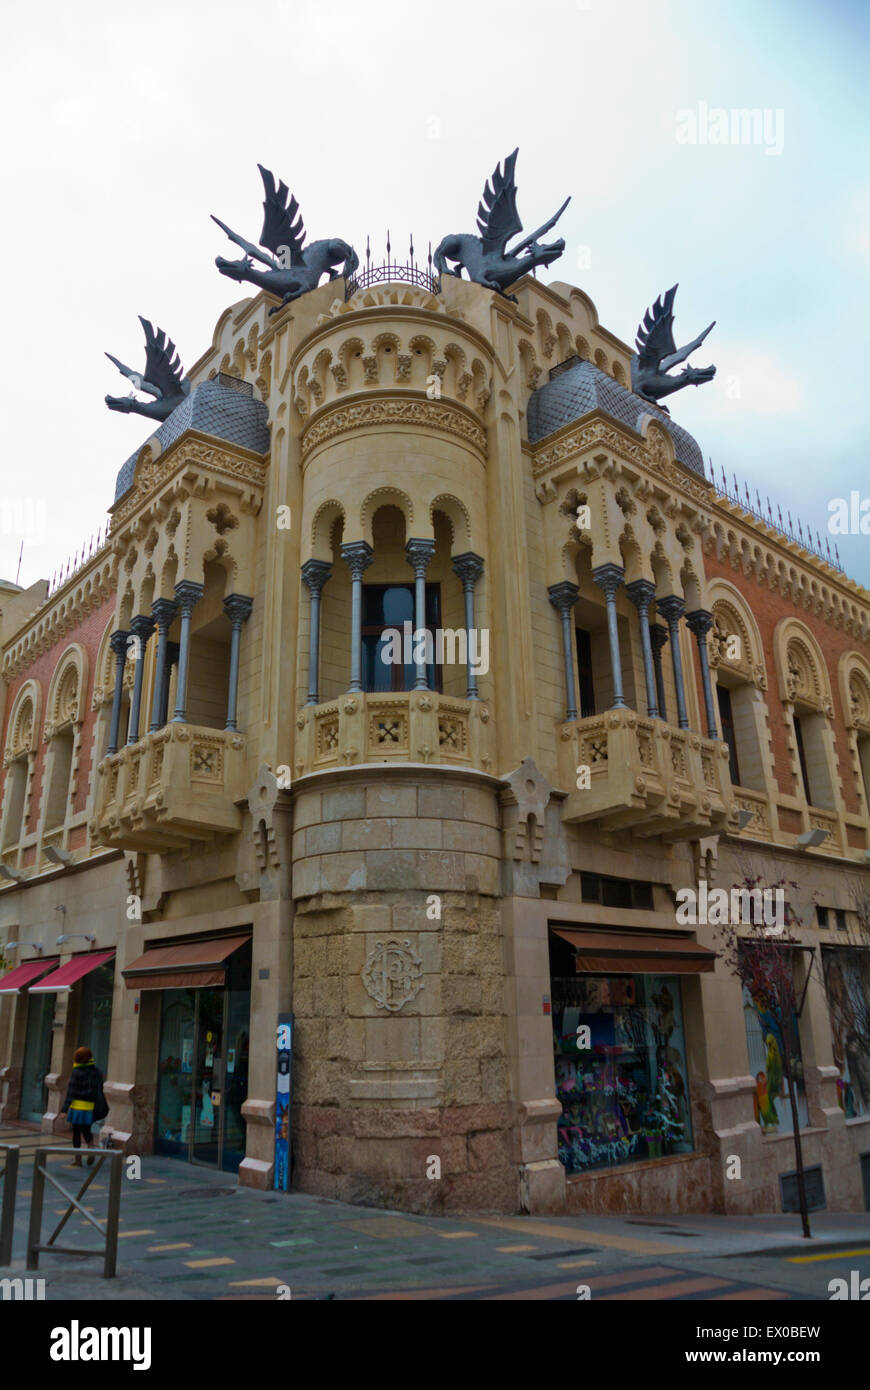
774,1069
765,1114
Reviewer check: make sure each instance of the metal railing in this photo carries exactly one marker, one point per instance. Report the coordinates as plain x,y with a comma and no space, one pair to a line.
793,531
109,1230
77,561
9,1176
391,272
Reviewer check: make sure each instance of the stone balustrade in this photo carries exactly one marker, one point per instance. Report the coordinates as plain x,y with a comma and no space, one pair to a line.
645,775
417,726
175,785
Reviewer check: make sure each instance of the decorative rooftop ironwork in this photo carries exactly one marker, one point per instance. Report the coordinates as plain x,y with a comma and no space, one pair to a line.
77,561
793,531
391,272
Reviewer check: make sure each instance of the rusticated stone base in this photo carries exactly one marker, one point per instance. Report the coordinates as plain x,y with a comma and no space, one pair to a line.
131,1116
380,1157
663,1187
10,1093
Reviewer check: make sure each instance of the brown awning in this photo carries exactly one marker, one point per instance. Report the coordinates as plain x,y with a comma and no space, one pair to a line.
191,965
635,953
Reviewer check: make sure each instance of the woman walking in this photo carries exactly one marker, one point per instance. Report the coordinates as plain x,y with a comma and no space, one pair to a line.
84,1102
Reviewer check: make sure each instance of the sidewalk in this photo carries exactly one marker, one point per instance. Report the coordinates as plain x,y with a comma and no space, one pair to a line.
190,1233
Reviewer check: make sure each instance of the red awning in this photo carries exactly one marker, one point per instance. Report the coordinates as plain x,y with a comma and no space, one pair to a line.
191,965
636,953
62,980
29,970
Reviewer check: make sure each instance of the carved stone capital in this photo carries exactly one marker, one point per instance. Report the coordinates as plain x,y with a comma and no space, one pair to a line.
563,596
419,553
164,612
699,622
671,608
608,578
142,626
641,592
658,635
315,573
118,643
468,567
238,608
188,594
357,555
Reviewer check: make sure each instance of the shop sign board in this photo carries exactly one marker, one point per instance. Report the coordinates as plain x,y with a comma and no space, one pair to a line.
284,1039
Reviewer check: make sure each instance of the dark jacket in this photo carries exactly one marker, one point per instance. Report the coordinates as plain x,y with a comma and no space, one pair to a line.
85,1083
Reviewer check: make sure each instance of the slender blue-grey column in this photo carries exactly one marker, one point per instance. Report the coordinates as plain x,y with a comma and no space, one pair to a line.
238,609
419,553
314,575
118,643
658,637
142,627
163,611
642,592
563,597
357,555
700,623
188,594
671,609
469,568
171,660
608,578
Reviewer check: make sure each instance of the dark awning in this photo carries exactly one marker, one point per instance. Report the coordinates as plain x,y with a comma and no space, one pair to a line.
191,965
635,953
22,975
61,981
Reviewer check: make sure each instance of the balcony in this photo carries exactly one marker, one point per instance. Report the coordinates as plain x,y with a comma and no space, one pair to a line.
646,776
173,786
418,726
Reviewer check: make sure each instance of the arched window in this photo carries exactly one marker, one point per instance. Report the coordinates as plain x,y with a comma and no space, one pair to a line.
807,698
65,709
19,757
735,659
855,698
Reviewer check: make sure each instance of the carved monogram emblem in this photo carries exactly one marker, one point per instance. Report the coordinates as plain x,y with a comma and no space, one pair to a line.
392,974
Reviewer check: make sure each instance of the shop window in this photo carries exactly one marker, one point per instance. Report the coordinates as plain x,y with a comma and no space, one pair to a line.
584,672
766,1049
726,720
847,985
616,892
95,1012
387,608
625,1097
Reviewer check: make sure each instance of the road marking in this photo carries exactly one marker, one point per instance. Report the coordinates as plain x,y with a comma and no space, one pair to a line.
122,1235
208,1264
551,1231
750,1295
514,1249
831,1255
677,1289
575,1264
297,1240
255,1284
458,1235
183,1245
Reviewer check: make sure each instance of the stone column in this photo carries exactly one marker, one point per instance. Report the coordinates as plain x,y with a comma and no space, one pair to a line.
608,578
419,553
118,643
642,592
188,594
142,627
163,611
314,575
700,623
563,597
469,568
671,609
357,555
238,609
658,638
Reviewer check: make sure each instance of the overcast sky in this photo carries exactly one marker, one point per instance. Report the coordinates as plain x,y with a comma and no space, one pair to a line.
123,129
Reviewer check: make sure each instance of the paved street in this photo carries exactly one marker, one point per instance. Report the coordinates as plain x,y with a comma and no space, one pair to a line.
190,1233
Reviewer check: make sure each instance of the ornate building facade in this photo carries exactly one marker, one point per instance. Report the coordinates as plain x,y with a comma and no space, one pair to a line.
444,868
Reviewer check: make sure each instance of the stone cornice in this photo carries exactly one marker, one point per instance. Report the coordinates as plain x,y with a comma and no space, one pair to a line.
410,313
230,461
89,588
409,408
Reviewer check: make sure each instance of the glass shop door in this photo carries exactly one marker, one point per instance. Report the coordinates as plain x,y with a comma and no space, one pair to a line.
37,1056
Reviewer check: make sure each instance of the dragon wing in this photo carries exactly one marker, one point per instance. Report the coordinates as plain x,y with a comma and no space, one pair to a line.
282,222
655,336
497,216
162,364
